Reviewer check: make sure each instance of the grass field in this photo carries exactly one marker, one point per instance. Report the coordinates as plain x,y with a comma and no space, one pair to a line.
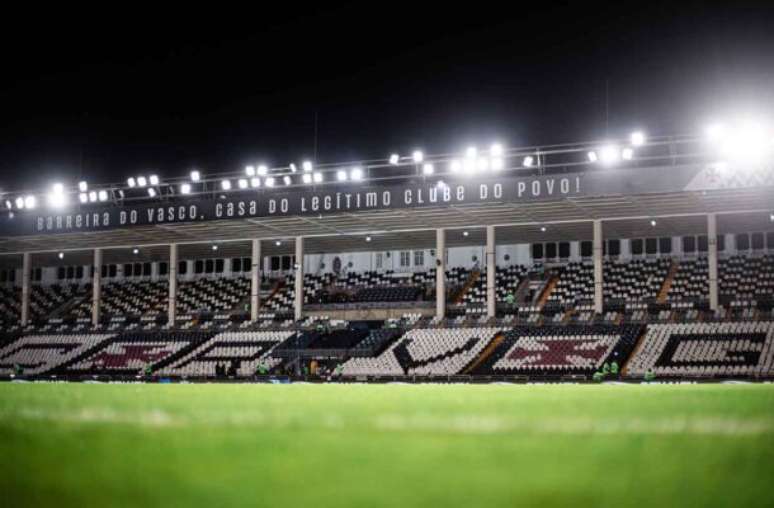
386,445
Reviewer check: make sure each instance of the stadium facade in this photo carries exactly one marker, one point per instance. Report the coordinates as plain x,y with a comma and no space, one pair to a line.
547,262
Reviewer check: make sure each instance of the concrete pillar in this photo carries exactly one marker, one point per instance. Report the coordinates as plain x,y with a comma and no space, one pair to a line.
598,278
26,274
255,274
172,312
491,272
96,288
299,303
440,273
712,252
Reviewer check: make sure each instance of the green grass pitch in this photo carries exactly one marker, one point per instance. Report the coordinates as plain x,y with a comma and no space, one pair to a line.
386,445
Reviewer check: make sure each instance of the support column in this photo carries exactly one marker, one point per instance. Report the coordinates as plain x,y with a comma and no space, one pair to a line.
96,288
255,273
299,303
598,278
440,273
712,252
491,272
172,312
26,269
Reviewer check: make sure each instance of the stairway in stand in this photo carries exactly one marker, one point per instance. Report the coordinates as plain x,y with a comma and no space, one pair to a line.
485,353
547,290
472,279
664,291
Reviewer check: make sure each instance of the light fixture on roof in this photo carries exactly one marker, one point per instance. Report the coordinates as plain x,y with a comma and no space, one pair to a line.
496,150
592,155
57,198
750,142
528,161
255,182
151,192
270,181
341,175
262,170
653,222
195,176
103,195
627,154
278,243
93,196
250,170
356,174
8,204
287,180
83,186
142,181
465,234
306,178
609,154
394,159
225,184
771,217
60,255
293,167
637,138
214,247
367,238
131,182
185,188
135,251
153,179
428,169
242,183
418,156
455,166
307,166
318,177
20,202
542,229
30,202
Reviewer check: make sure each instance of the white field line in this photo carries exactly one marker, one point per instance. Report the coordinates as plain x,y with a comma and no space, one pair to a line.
457,424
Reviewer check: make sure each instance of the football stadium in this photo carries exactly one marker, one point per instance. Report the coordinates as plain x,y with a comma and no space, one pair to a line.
361,256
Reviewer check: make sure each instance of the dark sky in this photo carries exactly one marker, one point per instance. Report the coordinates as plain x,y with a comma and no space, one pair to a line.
105,95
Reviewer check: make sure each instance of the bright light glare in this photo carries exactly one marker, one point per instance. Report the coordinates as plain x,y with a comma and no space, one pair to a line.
142,181
592,156
609,154
152,192
496,150
83,186
528,161
418,156
262,170
627,154
483,164
497,163
93,196
60,255
135,251
20,203
455,166
154,180
131,182
225,184
250,170
293,167
307,165
242,182
441,184
185,188
471,152
750,142
8,204
653,223
394,159
270,182
638,138
341,175
195,176
255,182
103,195
30,202
306,178
83,197
356,174
428,169
318,177
715,131
57,188
286,179
367,238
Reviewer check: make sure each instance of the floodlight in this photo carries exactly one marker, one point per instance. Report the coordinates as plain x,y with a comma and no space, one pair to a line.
255,182
483,164
57,188
83,186
30,202
131,182
465,234
367,238
135,251
592,156
627,154
428,169
225,184
497,164
277,243
195,176
250,170
262,170
103,195
242,183
154,179
8,204
528,161
151,192
341,175
715,131
56,199
318,177
293,167
653,223
638,138
418,156
307,166
60,255
287,180
270,181
356,174
543,229
214,247
142,181
185,188
306,178
455,166
93,196
471,152
496,150
394,159
609,154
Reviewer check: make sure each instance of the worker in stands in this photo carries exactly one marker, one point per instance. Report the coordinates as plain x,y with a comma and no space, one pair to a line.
614,368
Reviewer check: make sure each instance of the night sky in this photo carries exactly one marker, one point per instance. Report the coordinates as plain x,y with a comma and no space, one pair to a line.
106,95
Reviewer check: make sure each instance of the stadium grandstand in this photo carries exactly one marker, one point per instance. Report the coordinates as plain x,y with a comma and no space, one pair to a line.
653,255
